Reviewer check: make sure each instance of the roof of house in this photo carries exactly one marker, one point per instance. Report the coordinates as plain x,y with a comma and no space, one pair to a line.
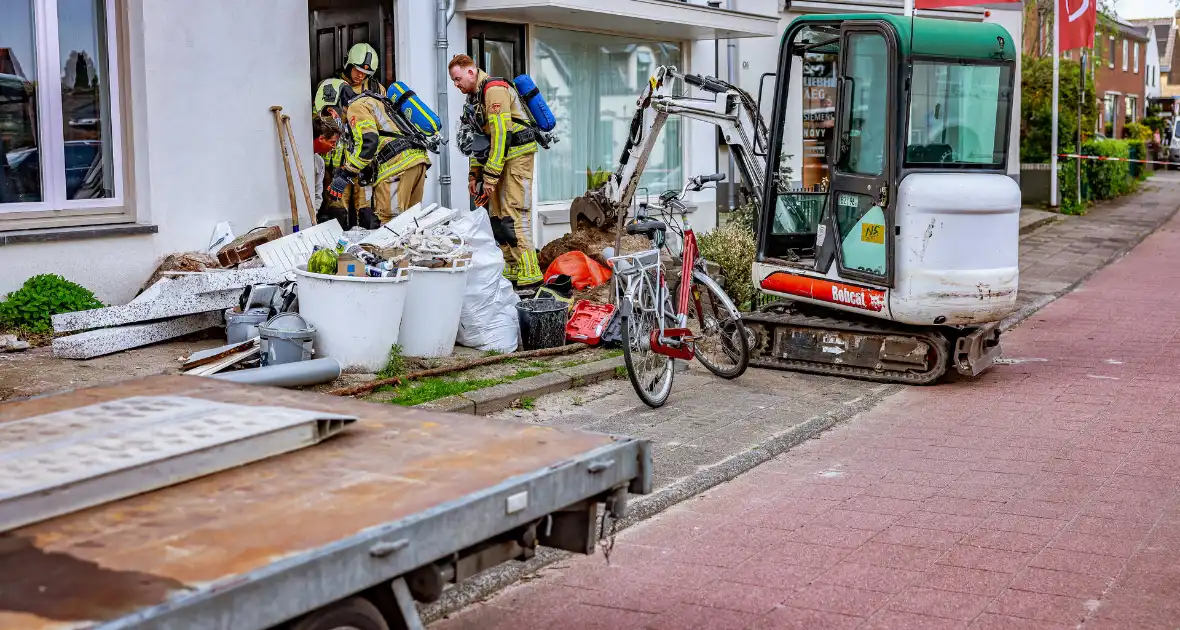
1165,37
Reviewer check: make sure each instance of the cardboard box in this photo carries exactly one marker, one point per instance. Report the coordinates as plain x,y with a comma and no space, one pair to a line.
349,265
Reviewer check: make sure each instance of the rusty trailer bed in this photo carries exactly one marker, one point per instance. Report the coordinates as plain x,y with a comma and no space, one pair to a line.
255,546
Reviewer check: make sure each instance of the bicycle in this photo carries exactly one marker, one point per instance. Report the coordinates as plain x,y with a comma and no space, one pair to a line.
654,334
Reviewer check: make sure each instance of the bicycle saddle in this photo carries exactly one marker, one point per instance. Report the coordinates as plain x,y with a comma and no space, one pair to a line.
647,228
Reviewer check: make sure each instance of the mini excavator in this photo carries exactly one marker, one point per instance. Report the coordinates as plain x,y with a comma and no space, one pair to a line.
901,262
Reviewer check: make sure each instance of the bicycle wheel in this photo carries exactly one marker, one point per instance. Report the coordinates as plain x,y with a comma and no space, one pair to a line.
650,373
722,341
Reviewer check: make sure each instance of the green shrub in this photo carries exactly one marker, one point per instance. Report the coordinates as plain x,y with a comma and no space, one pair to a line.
1101,179
731,247
31,307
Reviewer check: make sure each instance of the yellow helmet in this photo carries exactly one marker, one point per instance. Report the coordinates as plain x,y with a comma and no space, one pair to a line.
331,93
362,57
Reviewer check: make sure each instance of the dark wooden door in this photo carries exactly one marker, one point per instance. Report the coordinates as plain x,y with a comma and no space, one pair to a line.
336,26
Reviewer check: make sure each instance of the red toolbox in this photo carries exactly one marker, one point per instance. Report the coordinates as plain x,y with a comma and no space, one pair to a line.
588,322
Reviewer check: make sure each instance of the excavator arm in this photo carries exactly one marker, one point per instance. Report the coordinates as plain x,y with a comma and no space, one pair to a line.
731,109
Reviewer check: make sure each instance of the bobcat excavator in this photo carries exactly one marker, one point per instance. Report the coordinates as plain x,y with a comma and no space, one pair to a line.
900,263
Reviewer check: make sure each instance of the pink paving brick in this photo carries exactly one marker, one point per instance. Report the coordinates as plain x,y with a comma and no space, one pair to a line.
868,577
1008,541
792,618
1053,582
871,521
893,620
964,580
1119,546
944,522
741,597
939,603
587,617
834,536
999,560
1041,607
895,556
991,621
777,572
839,599
689,617
918,537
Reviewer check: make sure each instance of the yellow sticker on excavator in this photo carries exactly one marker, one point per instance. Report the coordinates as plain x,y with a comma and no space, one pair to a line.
872,233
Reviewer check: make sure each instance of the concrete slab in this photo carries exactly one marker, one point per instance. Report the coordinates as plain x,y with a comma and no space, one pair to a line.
96,343
501,397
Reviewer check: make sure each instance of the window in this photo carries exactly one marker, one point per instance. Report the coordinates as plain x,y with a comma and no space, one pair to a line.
59,137
592,79
1136,58
1110,52
862,132
1132,107
1125,56
958,114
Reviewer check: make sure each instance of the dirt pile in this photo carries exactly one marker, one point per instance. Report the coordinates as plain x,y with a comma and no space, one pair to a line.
590,241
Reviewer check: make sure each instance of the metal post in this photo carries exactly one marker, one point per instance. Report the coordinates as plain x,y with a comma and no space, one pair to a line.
446,10
1081,103
1056,77
731,71
908,10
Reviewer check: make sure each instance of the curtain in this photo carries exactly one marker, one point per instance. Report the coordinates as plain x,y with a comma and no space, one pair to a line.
590,82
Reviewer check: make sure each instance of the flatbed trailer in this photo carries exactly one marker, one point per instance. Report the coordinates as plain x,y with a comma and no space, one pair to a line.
391,510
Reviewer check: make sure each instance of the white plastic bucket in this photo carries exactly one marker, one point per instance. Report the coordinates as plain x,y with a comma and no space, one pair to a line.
357,319
435,303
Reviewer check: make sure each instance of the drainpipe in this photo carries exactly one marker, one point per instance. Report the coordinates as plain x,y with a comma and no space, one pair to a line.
730,76
446,11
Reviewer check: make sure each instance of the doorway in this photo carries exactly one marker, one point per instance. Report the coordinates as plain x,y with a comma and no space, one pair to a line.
498,48
337,25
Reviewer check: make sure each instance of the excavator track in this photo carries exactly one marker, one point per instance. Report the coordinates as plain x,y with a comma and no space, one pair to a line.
789,336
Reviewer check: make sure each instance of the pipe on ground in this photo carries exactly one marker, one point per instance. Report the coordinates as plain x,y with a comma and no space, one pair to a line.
297,374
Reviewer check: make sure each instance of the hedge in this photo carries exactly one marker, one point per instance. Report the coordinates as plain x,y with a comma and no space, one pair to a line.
1101,179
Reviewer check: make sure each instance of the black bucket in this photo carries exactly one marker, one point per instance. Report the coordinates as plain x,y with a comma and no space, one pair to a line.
542,323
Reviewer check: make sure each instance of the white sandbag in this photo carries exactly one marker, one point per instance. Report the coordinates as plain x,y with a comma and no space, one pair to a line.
488,320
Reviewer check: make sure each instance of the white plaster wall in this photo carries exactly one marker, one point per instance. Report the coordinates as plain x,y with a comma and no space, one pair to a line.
1151,62
113,268
212,69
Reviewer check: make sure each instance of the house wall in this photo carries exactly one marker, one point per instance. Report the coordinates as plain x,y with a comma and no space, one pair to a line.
197,93
1121,83
1151,62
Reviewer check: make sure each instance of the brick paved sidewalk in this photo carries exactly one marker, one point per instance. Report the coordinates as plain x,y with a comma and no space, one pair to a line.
1045,494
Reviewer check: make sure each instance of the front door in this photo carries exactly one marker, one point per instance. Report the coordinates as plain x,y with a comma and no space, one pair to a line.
337,25
497,48
859,224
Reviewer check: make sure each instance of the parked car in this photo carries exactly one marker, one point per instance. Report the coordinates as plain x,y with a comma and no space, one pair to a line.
24,166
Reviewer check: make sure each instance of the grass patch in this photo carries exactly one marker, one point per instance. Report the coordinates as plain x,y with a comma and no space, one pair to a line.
621,371
528,403
428,389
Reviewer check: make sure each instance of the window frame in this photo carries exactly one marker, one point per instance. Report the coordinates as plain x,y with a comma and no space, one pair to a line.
1135,59
1110,57
550,207
1126,48
55,209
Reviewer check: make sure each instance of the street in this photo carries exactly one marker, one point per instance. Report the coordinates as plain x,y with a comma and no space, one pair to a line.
1042,494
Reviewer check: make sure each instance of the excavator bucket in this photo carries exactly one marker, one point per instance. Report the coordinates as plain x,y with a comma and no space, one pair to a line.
592,209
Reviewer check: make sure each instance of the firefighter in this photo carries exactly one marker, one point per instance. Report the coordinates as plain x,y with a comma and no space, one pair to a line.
502,180
374,151
360,72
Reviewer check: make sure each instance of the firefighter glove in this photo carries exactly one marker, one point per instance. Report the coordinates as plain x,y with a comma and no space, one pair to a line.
483,194
473,178
339,185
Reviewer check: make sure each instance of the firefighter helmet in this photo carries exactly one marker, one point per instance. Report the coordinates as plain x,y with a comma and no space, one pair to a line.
362,57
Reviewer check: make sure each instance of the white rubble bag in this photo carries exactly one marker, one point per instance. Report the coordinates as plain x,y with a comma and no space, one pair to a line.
488,320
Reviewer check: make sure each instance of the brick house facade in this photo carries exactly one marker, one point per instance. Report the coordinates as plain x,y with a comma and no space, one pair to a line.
1119,71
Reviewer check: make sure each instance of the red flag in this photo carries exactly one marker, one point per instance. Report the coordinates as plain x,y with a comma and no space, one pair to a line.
938,4
1078,20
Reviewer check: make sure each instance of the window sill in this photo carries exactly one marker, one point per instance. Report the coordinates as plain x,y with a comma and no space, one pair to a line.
47,235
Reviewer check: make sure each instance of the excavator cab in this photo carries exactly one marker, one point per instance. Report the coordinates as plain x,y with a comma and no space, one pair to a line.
890,136
886,196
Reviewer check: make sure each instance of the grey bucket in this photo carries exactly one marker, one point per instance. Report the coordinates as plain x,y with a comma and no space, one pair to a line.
542,323
242,326
286,338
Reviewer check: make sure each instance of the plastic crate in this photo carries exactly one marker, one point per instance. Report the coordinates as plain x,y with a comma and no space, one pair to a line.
588,322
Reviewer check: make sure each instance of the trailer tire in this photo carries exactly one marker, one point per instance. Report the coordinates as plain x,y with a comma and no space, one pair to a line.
355,613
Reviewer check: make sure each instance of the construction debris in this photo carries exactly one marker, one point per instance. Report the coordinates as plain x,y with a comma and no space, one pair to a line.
251,350
97,343
182,294
212,355
10,343
190,261
243,247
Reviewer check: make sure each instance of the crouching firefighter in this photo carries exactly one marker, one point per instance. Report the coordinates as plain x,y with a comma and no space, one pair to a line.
497,135
375,152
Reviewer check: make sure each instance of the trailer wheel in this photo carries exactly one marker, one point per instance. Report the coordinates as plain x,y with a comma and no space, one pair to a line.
355,613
